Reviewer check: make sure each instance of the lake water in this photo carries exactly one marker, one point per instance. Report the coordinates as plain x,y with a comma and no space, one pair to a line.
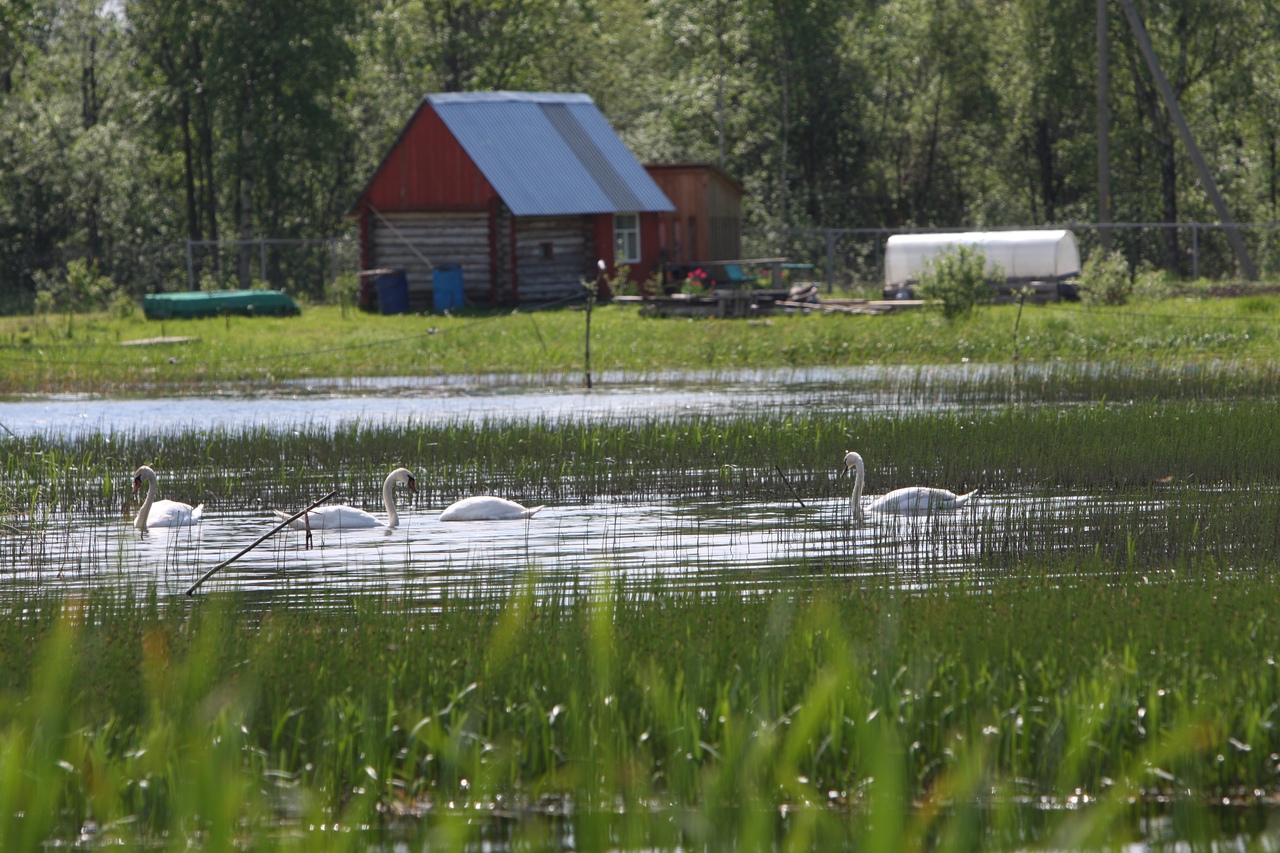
688,542
700,542
433,399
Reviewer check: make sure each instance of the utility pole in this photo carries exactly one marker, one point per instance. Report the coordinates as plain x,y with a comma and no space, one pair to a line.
1206,178
1104,130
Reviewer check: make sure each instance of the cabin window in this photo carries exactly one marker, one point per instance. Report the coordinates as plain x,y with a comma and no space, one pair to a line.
626,238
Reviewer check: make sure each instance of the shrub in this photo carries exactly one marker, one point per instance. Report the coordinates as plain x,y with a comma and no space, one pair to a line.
958,279
81,287
344,291
1105,279
1150,284
618,284
123,306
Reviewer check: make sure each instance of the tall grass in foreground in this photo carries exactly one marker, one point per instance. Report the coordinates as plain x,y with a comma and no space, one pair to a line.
1034,713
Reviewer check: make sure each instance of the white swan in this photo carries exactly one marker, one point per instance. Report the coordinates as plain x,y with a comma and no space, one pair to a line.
913,500
156,513
341,516
486,508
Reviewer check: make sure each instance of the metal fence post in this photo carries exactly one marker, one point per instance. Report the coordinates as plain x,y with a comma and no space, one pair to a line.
879,260
262,258
191,274
1195,250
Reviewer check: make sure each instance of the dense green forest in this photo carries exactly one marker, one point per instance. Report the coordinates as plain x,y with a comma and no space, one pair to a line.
131,126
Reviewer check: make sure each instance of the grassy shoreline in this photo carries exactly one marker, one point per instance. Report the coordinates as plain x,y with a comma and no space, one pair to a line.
49,354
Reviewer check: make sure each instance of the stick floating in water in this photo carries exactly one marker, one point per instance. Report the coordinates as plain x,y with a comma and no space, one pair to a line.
281,526
778,468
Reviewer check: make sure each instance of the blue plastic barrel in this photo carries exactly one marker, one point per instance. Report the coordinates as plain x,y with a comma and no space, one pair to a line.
446,287
393,292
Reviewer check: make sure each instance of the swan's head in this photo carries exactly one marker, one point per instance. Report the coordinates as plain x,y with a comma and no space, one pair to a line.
143,473
402,475
852,463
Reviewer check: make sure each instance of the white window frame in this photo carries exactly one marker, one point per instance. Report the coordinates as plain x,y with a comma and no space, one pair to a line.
626,237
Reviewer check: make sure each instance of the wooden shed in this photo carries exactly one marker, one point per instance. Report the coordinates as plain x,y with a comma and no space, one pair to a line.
706,224
526,191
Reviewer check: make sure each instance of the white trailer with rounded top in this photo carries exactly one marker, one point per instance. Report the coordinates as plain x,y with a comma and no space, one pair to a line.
1041,258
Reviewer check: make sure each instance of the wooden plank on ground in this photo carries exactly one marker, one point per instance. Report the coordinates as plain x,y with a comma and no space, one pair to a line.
150,342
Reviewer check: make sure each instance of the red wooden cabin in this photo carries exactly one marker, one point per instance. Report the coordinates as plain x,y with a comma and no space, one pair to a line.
706,224
526,191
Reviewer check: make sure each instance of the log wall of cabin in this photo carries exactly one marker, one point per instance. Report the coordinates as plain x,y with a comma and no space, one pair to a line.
443,238
552,257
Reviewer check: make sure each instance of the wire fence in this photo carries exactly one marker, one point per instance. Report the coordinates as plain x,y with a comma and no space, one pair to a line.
854,257
839,257
300,267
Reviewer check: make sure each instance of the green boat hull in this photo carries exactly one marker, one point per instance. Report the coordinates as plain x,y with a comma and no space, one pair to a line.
247,303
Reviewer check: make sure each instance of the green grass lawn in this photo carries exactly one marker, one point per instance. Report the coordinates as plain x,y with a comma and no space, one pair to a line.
53,354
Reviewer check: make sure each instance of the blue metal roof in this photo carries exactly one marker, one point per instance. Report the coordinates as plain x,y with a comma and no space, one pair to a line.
549,153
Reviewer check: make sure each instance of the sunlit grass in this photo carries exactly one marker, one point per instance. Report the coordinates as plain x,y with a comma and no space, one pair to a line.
645,716
46,354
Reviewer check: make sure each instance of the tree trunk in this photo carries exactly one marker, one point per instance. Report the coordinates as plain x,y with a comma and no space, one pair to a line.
189,167
204,129
786,132
89,109
1271,172
246,192
1169,195
1045,158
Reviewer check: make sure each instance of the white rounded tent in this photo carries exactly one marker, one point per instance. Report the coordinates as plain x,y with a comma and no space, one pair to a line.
1024,255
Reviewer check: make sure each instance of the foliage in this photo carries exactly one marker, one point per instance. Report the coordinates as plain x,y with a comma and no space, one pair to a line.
1105,280
80,288
344,291
782,715
619,282
625,286
123,306
958,280
124,132
1150,284
695,283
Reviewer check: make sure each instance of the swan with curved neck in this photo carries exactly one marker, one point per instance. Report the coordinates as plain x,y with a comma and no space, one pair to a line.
341,516
486,508
913,500
156,513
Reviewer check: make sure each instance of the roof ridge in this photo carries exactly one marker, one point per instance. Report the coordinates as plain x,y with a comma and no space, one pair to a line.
509,95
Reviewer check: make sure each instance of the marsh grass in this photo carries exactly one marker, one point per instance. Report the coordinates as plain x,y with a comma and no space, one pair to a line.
37,356
1151,448
1142,487
642,716
1088,671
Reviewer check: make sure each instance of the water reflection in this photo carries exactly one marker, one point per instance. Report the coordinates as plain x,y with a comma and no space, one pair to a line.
696,542
330,402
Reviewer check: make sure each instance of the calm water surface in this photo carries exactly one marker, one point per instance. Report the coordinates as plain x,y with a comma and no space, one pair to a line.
689,542
331,402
